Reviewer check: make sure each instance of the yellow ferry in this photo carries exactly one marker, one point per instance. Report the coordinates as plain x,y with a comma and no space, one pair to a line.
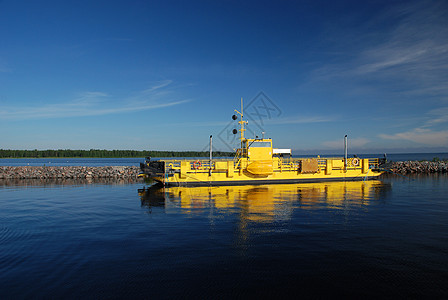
257,162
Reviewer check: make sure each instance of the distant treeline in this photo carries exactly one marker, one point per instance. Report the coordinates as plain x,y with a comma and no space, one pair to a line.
105,153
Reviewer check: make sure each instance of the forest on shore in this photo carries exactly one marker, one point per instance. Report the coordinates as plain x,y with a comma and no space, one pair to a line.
97,153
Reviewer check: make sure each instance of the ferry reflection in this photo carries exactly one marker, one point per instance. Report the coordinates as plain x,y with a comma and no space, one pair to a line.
265,202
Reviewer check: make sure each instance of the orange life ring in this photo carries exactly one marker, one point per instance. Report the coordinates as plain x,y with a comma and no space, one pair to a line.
197,164
355,161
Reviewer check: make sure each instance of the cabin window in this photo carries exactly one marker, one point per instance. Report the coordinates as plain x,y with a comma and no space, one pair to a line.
284,155
260,144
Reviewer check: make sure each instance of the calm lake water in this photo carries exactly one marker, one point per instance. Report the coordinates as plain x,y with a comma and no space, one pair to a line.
381,238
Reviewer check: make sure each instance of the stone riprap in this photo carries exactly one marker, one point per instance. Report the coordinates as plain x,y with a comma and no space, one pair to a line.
70,172
418,167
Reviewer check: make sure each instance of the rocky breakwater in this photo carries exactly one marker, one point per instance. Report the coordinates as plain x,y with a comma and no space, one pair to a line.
420,167
71,172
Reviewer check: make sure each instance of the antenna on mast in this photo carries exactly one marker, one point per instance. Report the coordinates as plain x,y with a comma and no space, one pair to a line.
241,122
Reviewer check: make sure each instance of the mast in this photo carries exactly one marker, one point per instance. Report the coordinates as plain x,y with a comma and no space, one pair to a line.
242,123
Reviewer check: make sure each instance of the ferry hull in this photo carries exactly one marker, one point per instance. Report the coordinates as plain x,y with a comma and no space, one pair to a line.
228,172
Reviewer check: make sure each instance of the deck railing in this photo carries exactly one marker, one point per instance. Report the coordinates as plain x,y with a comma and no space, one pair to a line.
283,163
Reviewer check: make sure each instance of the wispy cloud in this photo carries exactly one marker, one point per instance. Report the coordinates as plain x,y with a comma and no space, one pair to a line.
95,104
414,58
422,136
416,51
158,85
437,116
410,57
403,57
426,134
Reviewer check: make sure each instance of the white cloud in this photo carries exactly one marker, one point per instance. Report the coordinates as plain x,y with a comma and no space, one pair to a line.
95,104
437,116
159,85
426,134
422,136
389,56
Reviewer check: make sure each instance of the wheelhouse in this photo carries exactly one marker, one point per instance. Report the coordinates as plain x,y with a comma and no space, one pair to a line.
259,149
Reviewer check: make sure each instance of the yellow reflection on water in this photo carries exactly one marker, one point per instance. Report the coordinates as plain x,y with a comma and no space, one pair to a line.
266,203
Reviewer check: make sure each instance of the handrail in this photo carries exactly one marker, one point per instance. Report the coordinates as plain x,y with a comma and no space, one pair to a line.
284,163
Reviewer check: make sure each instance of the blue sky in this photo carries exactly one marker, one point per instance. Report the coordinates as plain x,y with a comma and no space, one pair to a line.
164,75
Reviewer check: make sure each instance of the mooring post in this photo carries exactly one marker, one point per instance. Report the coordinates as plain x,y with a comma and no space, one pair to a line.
210,170
345,152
